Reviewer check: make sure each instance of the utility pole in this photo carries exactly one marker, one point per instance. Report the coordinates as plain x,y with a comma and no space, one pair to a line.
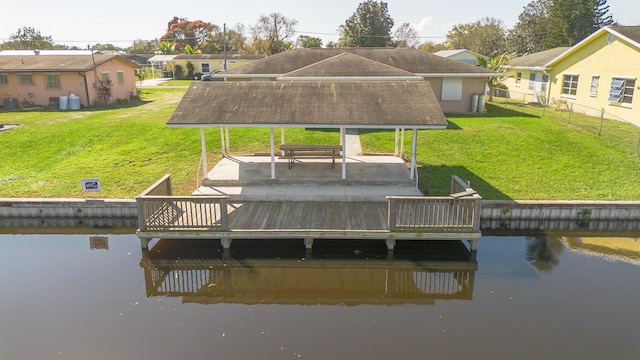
224,44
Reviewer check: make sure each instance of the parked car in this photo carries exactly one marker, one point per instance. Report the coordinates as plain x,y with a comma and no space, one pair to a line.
209,76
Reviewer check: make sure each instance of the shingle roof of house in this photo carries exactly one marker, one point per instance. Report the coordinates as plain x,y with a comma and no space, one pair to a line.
630,32
15,63
411,60
539,59
332,104
348,65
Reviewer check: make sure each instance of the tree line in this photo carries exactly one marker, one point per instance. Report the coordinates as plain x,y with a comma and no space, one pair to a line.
543,24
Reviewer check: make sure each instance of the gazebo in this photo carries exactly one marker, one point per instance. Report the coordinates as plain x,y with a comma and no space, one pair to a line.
398,103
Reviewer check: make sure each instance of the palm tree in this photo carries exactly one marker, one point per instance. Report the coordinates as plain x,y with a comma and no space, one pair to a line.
167,48
190,50
495,64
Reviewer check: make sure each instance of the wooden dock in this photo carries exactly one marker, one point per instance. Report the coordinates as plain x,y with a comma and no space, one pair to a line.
455,217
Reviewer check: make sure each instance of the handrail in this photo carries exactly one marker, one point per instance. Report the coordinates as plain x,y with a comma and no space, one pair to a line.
419,214
166,213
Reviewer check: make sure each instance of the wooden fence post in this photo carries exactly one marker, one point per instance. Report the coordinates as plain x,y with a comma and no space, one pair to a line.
570,111
224,218
601,121
391,214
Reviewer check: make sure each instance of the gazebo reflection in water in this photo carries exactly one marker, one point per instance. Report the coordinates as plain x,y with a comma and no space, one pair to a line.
334,273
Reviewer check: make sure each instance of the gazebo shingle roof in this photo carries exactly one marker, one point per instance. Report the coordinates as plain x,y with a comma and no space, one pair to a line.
331,104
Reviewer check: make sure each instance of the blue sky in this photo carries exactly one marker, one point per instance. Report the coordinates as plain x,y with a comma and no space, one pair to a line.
81,23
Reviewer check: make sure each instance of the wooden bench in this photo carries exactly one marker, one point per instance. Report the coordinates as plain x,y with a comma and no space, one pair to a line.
291,151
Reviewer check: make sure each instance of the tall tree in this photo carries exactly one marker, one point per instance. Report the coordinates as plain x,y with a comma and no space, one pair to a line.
105,47
432,47
485,36
272,33
235,41
406,36
143,47
526,35
28,38
570,21
181,32
306,41
601,11
370,25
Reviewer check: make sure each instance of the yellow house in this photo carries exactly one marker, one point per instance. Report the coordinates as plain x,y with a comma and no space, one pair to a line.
525,77
599,74
202,63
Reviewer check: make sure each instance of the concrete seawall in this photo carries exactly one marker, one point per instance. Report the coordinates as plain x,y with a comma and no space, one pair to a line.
512,215
58,212
560,215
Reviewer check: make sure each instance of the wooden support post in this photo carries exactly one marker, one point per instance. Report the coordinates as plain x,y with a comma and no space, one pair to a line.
401,142
308,243
391,244
144,243
222,142
473,244
414,144
203,143
226,133
395,153
226,242
273,158
343,141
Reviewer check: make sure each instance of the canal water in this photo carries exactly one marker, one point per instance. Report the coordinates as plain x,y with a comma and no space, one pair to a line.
526,297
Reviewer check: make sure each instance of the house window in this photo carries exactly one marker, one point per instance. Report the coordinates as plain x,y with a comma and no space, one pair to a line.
206,68
595,80
518,78
4,80
570,84
120,75
104,76
451,89
545,82
532,80
52,81
25,79
622,90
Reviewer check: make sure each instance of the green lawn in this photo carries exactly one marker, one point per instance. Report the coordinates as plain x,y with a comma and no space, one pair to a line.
505,153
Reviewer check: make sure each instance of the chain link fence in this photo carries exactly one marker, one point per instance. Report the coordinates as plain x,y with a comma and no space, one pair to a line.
580,116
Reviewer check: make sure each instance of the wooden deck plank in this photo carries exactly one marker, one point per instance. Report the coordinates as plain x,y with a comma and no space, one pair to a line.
316,215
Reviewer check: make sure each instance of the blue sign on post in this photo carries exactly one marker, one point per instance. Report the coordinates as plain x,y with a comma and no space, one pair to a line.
91,185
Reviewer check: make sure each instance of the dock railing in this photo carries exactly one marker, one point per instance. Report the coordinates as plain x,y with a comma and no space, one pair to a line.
458,212
158,210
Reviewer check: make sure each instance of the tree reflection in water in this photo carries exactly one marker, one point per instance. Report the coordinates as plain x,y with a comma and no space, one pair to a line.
543,251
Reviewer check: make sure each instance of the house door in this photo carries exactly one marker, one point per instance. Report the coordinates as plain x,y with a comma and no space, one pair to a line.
535,86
